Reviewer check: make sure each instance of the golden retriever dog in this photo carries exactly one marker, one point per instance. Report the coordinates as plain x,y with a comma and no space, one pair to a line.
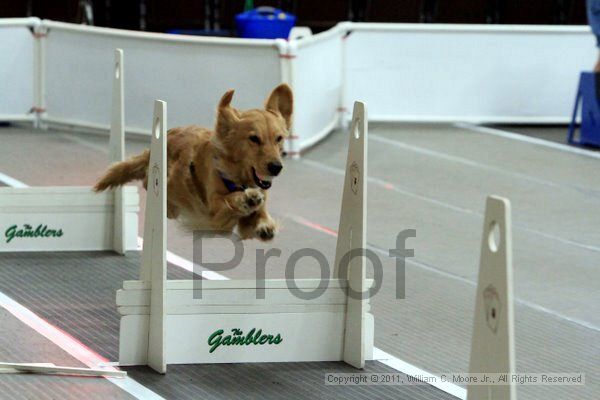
218,180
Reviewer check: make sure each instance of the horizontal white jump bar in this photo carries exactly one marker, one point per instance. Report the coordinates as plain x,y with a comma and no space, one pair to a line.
43,198
239,309
187,284
53,369
189,297
37,190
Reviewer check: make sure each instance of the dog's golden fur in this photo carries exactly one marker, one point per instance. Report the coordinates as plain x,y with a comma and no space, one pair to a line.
245,147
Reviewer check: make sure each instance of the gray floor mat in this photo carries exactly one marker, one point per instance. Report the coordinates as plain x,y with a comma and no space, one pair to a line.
21,344
556,280
75,291
293,381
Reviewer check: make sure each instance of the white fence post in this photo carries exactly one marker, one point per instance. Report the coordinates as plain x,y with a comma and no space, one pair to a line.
345,27
40,33
287,54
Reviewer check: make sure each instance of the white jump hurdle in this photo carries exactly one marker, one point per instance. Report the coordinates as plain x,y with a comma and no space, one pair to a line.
73,218
167,322
493,341
52,218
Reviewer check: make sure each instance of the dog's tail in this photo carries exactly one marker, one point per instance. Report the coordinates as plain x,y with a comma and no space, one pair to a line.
125,171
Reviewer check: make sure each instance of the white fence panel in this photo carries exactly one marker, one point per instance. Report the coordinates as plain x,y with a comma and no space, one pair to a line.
317,82
189,73
406,72
479,73
16,69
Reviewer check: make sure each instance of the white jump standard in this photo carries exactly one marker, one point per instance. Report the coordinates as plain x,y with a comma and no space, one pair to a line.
166,322
56,218
69,218
493,341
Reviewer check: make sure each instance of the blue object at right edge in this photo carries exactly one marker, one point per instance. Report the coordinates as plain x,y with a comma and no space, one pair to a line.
587,96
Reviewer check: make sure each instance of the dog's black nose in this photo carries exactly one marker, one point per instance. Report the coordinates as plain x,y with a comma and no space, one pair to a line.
274,168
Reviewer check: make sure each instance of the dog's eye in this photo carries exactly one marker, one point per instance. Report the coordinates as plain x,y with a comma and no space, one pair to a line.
254,139
279,139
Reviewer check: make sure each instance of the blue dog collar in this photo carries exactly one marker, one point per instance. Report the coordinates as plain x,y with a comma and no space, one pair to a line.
230,185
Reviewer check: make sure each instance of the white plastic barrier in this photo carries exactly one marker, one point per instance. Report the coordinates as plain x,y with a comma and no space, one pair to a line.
55,218
407,72
317,82
17,77
474,73
191,73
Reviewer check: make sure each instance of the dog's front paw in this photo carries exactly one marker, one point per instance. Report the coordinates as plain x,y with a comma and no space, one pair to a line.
266,230
251,201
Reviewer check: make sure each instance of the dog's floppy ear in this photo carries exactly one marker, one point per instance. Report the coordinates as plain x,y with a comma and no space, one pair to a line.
226,115
281,101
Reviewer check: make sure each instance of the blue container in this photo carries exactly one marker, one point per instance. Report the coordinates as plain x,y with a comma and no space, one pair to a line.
264,23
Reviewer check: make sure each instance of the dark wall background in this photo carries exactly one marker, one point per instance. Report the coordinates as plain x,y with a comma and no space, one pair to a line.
163,15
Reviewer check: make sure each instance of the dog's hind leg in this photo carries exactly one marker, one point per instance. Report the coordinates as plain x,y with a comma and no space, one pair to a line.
172,211
246,227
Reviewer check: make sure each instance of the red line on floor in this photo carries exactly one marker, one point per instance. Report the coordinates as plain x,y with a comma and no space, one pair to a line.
314,225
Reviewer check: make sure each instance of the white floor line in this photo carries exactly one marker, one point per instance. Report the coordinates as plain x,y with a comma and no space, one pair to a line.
388,186
395,188
188,265
409,369
528,139
475,164
10,181
75,138
73,347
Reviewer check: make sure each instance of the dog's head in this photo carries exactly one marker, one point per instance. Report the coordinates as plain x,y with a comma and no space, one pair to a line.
250,143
